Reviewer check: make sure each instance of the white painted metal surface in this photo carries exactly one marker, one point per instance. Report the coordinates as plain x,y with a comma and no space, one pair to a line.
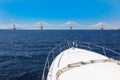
95,71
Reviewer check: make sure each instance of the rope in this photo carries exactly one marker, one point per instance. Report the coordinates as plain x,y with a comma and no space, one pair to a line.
78,64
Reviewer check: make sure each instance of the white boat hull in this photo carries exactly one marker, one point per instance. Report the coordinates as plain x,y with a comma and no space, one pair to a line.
70,65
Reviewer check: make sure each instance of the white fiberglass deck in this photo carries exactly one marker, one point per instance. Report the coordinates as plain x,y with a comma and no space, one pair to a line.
95,71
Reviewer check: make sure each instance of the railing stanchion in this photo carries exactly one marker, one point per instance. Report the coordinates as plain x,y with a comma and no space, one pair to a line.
69,45
43,77
60,48
76,44
53,55
89,47
48,65
104,51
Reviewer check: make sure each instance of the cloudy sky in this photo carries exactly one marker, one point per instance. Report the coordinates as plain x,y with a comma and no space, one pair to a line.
58,11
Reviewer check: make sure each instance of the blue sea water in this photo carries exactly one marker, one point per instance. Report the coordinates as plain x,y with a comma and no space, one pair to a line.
23,53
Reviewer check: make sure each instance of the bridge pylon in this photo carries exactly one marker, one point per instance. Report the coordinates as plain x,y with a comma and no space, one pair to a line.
14,26
41,25
71,23
102,25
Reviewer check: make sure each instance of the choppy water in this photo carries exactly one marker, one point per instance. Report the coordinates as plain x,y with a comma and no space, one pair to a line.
23,53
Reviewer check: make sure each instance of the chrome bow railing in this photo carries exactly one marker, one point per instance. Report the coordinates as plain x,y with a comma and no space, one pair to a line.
77,44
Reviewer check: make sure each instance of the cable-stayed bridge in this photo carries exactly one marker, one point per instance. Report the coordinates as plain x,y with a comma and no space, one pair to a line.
71,25
103,26
68,25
